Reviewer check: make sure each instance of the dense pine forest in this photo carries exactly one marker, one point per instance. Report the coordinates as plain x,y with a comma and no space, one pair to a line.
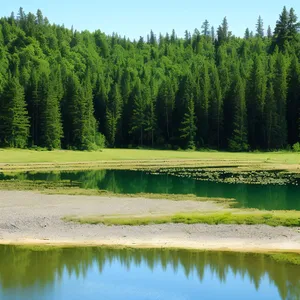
60,88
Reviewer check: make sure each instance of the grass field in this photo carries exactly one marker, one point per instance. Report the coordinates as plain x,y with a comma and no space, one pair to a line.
247,217
15,159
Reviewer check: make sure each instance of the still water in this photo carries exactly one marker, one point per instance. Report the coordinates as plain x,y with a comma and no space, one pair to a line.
99,273
270,197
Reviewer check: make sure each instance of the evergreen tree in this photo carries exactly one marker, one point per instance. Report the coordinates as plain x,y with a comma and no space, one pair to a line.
79,122
51,127
215,110
187,38
247,34
280,92
138,121
271,115
113,114
212,33
14,121
166,101
269,34
260,27
205,28
204,104
188,128
89,122
293,101
150,123
256,103
223,33
286,29
238,140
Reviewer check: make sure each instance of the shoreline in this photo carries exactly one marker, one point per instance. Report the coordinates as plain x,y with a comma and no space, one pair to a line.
229,246
29,218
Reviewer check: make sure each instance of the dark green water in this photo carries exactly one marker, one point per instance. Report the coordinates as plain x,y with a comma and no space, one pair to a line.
95,273
270,197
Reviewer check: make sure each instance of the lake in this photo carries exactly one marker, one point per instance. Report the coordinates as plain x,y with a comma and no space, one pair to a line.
269,197
100,273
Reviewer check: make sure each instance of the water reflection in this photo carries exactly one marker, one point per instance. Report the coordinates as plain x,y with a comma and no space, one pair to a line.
31,273
270,197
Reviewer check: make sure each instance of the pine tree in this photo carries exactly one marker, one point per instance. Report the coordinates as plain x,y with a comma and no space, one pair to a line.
150,110
280,92
260,27
188,128
238,140
89,125
271,115
51,127
281,29
113,114
293,101
212,33
293,25
34,107
14,121
166,102
138,121
187,38
286,29
256,103
269,34
205,28
100,102
79,122
223,33
247,34
204,104
215,110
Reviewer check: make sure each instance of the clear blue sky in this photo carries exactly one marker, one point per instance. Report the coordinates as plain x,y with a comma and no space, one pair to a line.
135,18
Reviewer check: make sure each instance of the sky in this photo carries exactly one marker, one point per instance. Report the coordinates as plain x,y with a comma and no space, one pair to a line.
135,18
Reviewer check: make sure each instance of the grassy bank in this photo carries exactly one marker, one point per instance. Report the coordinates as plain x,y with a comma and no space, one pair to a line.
15,159
239,217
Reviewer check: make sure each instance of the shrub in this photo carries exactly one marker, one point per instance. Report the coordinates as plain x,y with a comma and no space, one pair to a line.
296,147
100,140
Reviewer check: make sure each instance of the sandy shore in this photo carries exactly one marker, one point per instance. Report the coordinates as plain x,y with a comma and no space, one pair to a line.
33,218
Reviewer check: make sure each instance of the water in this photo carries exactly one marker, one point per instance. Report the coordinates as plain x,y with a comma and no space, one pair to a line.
99,273
270,197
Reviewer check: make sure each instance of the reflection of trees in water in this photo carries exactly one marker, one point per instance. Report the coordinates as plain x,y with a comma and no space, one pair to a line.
25,268
267,197
90,179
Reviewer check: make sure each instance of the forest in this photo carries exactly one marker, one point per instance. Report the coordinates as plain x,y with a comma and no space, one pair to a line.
61,88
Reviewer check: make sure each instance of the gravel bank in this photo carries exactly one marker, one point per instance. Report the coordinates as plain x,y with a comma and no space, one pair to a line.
33,218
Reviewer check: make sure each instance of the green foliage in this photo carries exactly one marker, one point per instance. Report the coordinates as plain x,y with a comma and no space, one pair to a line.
296,147
100,140
62,88
14,126
188,128
239,139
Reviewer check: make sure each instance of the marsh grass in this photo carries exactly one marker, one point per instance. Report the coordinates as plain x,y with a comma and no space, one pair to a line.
239,217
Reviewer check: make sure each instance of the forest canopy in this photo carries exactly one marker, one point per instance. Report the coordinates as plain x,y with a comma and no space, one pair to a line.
60,88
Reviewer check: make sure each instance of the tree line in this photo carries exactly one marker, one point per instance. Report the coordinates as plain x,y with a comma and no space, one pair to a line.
60,88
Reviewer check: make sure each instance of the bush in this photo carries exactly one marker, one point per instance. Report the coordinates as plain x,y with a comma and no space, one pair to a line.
296,147
100,140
